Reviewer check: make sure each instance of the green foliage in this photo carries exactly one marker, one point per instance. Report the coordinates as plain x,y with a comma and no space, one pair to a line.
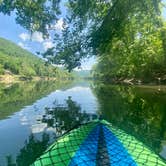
32,15
138,54
127,36
21,62
1,69
91,25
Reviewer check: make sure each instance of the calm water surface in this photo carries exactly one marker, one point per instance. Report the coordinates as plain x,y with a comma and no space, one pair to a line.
33,114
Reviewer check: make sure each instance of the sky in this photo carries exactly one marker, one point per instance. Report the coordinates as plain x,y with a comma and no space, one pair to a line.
17,34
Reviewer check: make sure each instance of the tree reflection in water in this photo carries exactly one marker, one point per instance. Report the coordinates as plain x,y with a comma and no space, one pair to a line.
138,110
65,117
61,118
32,149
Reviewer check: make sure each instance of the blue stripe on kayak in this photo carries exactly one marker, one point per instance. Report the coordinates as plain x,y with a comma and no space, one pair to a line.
117,153
86,154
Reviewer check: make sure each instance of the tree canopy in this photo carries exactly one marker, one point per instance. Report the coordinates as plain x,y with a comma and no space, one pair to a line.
109,29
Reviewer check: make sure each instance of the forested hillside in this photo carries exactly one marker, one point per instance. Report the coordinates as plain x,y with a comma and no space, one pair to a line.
18,61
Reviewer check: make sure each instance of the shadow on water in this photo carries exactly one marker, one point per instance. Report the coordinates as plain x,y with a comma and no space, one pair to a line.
139,110
59,119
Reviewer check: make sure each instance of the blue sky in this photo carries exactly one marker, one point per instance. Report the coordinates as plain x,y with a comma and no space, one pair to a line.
14,32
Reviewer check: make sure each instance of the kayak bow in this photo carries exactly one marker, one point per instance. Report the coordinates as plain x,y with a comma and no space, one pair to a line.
98,143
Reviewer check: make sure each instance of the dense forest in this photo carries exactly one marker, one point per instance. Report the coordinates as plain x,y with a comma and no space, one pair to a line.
17,61
138,55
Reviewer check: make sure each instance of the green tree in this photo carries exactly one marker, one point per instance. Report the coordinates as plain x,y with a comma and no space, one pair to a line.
89,26
1,69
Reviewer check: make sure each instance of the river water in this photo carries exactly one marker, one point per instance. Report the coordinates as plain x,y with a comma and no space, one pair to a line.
28,127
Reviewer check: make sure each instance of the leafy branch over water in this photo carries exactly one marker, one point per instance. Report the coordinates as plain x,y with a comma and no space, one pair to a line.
128,37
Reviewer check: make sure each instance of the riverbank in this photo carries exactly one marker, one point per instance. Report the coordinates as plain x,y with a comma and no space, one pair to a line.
134,81
10,78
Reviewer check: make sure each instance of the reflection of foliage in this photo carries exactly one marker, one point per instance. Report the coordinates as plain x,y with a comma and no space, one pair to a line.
10,161
65,117
62,118
33,149
23,94
140,112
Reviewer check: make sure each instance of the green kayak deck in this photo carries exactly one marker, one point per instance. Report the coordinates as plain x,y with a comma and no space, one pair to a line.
98,143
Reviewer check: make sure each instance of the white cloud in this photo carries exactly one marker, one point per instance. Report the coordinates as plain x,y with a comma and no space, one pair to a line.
88,63
22,45
79,88
37,36
59,25
48,44
38,128
24,36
